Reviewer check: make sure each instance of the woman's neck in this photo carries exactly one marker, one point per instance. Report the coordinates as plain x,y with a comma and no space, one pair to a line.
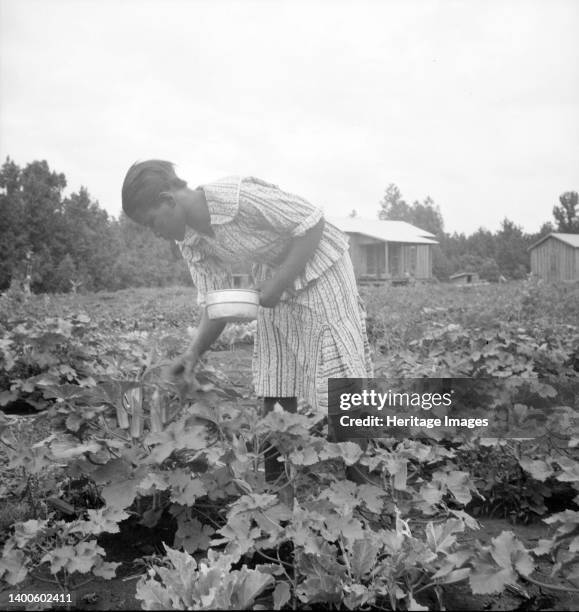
197,212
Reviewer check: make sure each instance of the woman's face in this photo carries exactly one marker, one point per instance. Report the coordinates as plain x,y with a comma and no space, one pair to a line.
165,220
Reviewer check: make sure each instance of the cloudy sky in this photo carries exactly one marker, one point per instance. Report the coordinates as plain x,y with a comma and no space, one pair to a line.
474,103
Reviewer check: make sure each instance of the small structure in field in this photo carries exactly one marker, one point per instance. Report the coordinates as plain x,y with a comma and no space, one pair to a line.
555,257
393,252
465,278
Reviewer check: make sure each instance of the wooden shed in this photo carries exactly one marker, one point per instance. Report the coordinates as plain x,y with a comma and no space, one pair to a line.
387,251
555,257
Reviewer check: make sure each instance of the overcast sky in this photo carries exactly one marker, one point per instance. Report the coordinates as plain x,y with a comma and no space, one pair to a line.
473,103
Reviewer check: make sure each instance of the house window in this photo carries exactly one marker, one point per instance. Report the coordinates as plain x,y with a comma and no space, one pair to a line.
375,259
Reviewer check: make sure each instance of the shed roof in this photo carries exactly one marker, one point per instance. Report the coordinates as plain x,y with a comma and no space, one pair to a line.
570,239
388,231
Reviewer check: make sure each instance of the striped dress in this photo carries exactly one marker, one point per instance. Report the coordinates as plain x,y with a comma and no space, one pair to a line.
317,331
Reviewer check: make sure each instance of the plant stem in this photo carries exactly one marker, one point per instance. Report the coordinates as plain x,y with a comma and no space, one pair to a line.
207,517
278,560
553,587
80,585
40,579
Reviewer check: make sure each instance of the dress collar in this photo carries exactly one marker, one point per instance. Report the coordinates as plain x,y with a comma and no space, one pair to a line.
222,198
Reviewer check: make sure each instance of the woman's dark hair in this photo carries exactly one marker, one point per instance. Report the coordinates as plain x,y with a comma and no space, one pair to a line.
144,183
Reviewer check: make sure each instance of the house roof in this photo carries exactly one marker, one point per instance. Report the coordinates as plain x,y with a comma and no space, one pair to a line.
570,239
388,231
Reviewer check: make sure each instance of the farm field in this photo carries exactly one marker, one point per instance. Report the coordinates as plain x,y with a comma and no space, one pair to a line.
126,492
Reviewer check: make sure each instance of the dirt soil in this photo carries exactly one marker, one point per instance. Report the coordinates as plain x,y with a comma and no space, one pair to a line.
134,542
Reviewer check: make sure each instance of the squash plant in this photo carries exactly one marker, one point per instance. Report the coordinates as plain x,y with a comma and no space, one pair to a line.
391,540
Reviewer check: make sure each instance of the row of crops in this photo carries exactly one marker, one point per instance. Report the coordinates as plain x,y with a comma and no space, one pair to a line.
88,369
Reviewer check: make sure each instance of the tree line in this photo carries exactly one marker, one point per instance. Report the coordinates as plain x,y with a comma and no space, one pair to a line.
69,243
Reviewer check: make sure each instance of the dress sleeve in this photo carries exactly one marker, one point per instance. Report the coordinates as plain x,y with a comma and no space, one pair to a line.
207,272
269,206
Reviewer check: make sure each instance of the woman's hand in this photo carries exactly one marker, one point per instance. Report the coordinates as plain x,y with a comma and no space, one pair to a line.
300,252
181,370
270,292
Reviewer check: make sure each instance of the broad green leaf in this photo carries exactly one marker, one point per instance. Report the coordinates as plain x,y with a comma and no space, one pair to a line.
305,456
523,563
151,517
392,541
452,576
86,555
121,494
362,555
342,495
281,595
468,520
74,421
185,489
113,470
452,562
104,520
28,530
303,529
33,460
441,537
250,584
486,579
538,469
182,579
544,547
431,494
372,496
106,569
570,469
253,501
174,438
344,525
7,397
503,546
567,516
459,483
357,596
13,566
350,452
193,536
159,481
415,606
508,552
153,595
239,533
323,588
58,558
183,562
70,448
545,390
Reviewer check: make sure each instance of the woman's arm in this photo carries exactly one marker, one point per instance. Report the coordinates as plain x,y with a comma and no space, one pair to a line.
301,251
207,333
